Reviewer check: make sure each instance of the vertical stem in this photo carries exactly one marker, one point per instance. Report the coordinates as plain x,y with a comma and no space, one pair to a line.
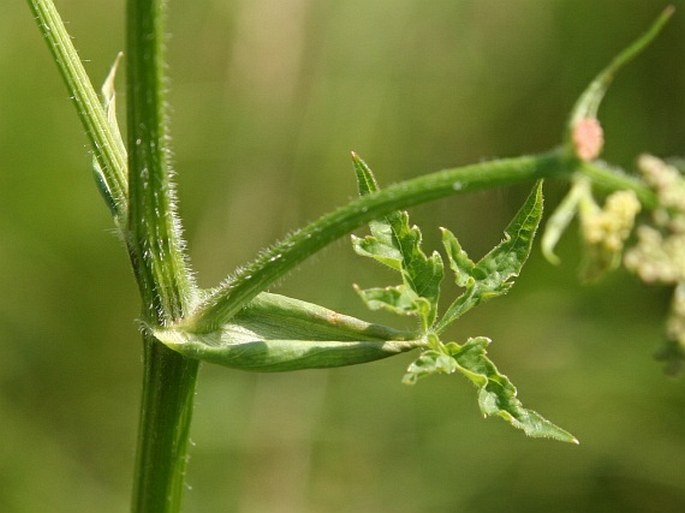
158,259
166,411
154,230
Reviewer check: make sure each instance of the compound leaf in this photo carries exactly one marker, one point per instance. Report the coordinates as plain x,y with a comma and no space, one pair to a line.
493,275
396,244
505,261
496,394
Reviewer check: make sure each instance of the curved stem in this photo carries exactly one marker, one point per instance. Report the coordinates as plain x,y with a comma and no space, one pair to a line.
224,302
588,102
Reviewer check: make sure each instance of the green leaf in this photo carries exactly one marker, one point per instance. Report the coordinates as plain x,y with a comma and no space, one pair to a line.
109,105
276,333
434,360
493,275
396,244
460,263
400,300
380,246
504,262
496,394
563,215
366,182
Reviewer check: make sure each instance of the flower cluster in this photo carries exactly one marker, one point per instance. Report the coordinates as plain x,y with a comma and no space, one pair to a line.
605,230
659,254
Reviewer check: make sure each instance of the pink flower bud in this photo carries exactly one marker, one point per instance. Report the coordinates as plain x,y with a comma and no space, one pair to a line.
588,139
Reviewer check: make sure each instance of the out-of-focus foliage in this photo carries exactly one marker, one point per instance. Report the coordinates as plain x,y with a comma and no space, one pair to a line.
269,96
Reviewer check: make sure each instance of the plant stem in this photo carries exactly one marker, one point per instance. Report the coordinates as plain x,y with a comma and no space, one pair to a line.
270,265
166,411
588,103
145,211
608,179
157,255
154,241
224,302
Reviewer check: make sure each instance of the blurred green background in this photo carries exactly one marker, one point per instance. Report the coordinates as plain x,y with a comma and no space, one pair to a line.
268,97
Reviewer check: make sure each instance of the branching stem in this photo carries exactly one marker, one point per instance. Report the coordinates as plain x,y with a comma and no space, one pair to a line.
144,208
237,290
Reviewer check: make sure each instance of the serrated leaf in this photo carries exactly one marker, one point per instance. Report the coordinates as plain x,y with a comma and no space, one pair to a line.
505,260
379,246
493,275
276,333
497,395
366,182
396,244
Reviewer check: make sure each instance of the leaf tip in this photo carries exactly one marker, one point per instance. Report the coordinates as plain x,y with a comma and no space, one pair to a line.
365,179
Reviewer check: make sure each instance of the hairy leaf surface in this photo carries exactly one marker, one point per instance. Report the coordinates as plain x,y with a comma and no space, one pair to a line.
396,244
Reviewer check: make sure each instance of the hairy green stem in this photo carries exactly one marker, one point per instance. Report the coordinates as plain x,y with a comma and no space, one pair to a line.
157,256
154,230
226,301
166,410
144,208
152,237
